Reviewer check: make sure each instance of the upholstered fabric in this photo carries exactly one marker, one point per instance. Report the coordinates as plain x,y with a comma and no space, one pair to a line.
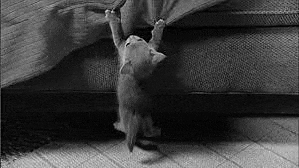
254,60
235,13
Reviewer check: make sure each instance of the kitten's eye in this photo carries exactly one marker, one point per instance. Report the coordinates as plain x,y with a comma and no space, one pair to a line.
127,44
139,40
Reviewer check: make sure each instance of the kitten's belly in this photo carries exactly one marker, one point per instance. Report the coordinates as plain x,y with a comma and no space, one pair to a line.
131,96
130,99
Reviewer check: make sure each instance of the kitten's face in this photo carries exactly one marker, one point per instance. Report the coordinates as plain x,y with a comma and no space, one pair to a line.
140,58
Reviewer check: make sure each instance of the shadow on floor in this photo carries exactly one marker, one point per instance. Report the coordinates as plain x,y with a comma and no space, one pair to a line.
24,132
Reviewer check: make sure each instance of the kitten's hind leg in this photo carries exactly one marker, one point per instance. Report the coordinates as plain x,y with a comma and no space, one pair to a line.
157,34
116,29
148,129
120,124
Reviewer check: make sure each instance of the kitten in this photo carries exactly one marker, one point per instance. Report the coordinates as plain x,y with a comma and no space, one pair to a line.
138,60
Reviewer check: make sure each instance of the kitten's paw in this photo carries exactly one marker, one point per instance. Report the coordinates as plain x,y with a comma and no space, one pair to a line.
160,24
147,145
119,126
110,15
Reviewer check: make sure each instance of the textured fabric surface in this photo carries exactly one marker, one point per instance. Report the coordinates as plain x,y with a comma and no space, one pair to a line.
253,60
259,60
36,35
246,13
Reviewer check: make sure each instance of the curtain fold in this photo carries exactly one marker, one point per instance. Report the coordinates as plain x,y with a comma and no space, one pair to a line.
37,34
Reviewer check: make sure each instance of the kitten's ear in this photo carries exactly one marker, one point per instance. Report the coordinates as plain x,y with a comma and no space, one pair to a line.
157,56
126,68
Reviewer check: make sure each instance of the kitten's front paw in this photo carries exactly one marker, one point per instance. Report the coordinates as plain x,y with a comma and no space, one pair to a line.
160,24
111,16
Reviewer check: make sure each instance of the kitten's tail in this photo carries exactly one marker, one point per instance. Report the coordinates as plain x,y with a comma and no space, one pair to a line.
133,128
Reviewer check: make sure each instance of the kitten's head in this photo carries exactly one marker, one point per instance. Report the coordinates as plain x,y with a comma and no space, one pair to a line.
140,59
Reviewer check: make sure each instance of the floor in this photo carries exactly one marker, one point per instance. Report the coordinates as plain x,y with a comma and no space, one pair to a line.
250,142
